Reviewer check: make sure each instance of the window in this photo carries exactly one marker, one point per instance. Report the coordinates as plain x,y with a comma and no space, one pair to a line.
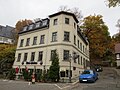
44,23
25,28
78,43
81,46
28,42
66,20
42,39
40,56
66,36
62,73
54,36
0,38
25,56
74,68
35,41
83,49
52,53
118,56
74,39
55,22
21,42
37,24
30,26
32,56
84,62
67,73
81,61
19,57
66,55
74,25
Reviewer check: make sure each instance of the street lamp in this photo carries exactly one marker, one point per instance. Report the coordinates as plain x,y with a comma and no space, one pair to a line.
75,56
70,57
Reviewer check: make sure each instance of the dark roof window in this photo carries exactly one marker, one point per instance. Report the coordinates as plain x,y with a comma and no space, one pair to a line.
37,24
34,26
44,23
31,26
25,28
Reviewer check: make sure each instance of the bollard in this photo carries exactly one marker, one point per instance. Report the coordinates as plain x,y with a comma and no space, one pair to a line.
33,79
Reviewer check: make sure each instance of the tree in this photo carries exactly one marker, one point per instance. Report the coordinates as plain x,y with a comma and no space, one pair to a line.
54,68
74,10
97,32
21,23
7,56
19,26
113,3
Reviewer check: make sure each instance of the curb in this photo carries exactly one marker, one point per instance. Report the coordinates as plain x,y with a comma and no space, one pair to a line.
118,71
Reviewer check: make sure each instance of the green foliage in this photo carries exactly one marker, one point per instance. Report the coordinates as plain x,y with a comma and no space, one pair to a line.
38,75
7,52
7,56
54,68
25,75
11,74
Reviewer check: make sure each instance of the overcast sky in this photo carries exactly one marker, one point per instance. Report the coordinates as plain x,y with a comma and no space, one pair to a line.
13,10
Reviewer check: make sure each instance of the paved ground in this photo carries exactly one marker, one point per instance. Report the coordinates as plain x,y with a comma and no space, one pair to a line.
108,80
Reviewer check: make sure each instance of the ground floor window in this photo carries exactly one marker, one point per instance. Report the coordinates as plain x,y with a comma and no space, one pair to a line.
65,73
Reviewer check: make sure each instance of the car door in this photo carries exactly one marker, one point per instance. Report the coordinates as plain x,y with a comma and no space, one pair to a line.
95,75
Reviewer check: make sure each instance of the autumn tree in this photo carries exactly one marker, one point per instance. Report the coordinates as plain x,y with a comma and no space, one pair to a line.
113,3
97,32
21,23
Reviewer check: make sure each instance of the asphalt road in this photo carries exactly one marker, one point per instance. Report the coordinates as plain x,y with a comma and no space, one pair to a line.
108,80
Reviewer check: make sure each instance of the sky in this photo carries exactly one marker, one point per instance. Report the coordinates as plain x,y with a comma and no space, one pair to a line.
13,10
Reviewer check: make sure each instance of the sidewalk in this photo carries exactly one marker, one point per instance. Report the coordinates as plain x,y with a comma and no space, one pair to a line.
118,71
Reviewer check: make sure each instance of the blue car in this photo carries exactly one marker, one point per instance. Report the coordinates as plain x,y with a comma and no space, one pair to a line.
88,76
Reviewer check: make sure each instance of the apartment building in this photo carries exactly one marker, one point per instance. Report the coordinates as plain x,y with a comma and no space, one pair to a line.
7,34
60,32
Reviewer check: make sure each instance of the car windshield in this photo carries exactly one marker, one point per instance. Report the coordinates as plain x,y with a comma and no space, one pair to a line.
87,72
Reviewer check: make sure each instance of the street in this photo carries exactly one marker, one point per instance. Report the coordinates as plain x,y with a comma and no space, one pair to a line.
108,80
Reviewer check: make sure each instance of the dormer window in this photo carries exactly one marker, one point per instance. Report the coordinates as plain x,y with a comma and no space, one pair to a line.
30,26
25,28
37,24
44,22
66,20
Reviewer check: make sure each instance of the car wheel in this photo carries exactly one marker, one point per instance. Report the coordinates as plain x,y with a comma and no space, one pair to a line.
80,81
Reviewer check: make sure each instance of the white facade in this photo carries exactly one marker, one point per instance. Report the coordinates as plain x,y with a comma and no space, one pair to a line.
63,37
6,40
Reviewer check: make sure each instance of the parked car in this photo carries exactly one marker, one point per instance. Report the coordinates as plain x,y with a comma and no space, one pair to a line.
88,76
98,68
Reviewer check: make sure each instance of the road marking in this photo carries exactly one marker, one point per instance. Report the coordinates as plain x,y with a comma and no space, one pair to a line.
57,86
5,80
75,82
60,87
